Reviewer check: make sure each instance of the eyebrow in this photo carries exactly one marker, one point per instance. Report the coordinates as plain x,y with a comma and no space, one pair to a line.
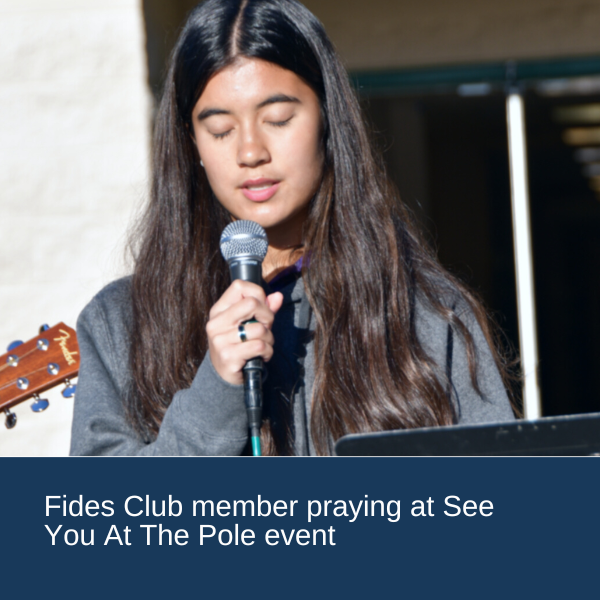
209,112
278,98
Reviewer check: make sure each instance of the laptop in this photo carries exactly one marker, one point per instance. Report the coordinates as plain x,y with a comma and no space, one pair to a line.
573,435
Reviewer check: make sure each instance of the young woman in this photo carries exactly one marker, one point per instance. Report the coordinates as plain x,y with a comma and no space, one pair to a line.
361,328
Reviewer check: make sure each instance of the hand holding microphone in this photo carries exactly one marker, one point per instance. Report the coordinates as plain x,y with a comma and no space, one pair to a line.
241,302
239,326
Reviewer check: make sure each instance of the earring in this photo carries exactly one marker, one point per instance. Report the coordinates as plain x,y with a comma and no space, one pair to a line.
201,164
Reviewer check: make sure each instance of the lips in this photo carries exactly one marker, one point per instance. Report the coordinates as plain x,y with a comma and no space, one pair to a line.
259,190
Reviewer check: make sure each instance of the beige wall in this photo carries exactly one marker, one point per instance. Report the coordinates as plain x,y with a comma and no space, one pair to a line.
74,140
374,34
380,34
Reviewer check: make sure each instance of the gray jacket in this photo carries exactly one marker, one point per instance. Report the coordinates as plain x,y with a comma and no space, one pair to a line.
209,418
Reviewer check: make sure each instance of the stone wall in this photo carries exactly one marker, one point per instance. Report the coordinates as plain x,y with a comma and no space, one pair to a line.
74,142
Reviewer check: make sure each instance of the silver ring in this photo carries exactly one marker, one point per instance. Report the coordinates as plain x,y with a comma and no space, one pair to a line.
242,333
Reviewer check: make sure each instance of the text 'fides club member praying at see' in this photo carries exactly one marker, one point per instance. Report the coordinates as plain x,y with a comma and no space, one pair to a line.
359,326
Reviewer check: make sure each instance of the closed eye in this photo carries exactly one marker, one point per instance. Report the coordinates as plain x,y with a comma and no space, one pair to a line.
280,123
220,136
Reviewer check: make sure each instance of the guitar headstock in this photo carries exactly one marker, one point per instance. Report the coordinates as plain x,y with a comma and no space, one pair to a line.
30,368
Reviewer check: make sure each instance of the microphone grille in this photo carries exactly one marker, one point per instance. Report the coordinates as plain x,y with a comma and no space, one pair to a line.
244,238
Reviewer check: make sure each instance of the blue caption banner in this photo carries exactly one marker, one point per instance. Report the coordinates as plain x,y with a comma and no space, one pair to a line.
327,528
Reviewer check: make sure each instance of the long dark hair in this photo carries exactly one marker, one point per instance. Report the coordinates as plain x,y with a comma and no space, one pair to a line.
368,265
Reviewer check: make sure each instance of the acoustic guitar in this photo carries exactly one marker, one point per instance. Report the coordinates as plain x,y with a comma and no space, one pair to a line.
30,368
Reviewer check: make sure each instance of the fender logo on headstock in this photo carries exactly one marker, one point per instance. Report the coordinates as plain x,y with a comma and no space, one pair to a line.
62,342
35,366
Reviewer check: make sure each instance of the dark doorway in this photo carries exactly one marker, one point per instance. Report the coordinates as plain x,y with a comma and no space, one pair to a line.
565,220
448,156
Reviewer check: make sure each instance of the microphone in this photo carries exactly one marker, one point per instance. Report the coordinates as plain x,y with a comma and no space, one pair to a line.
244,246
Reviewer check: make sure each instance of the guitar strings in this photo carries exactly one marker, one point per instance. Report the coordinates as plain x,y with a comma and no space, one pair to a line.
7,385
6,365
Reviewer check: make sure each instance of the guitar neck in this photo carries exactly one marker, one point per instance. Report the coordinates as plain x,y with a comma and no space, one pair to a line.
38,365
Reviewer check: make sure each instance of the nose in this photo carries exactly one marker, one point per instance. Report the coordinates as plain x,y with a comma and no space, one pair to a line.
252,150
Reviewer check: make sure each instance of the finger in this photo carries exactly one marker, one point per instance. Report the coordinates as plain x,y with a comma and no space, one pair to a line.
252,349
275,301
230,361
253,331
245,310
237,291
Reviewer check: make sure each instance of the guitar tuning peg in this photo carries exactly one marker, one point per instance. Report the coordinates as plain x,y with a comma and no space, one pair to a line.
40,404
13,345
70,389
44,327
11,419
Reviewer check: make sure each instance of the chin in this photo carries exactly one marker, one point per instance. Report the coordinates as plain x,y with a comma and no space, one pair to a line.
270,217
267,221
